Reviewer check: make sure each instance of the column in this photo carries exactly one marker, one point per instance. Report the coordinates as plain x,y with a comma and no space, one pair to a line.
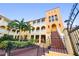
39,39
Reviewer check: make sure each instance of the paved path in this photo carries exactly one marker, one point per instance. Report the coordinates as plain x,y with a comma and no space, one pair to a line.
2,52
28,52
32,52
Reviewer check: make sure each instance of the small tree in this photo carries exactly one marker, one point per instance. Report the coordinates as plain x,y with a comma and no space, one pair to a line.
9,47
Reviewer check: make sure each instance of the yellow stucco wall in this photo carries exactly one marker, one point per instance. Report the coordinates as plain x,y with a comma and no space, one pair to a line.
58,23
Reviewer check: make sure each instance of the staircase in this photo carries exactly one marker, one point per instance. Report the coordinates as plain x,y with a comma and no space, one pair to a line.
56,43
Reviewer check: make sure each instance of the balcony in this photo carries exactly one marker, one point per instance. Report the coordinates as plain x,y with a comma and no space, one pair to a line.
39,24
3,31
38,32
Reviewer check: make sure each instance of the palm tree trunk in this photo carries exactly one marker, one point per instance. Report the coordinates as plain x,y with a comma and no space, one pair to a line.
20,35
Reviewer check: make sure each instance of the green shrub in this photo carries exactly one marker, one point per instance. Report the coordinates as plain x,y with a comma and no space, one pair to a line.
6,38
3,44
17,44
32,41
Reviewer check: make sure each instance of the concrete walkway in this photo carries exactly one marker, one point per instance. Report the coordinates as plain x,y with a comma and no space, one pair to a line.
51,53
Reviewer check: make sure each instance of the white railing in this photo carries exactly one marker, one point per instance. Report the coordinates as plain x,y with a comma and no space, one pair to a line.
39,24
3,31
38,32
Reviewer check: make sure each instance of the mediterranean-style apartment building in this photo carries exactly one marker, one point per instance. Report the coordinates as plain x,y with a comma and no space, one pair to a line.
42,28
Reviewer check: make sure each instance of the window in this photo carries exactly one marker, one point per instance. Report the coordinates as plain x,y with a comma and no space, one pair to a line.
13,30
32,36
18,31
18,37
33,29
34,22
43,27
26,37
37,38
48,26
43,38
3,27
38,20
0,18
37,28
43,19
60,25
56,17
8,28
51,18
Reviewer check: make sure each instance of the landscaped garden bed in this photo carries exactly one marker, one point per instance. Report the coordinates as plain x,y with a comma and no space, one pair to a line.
8,41
18,47
16,44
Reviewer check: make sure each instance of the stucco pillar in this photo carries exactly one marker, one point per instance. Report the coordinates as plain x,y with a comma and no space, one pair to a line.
39,39
67,42
14,36
48,39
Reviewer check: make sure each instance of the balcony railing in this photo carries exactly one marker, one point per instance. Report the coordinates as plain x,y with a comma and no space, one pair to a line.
39,24
38,31
3,31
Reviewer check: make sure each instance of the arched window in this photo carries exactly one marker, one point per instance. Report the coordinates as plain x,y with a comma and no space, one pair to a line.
37,28
18,31
33,28
60,25
54,27
43,27
13,30
8,28
56,17
3,27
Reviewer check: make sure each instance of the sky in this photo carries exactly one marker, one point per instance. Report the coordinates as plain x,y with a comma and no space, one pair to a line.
32,11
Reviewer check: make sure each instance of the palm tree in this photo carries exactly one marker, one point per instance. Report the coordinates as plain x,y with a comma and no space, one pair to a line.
21,25
28,27
11,25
